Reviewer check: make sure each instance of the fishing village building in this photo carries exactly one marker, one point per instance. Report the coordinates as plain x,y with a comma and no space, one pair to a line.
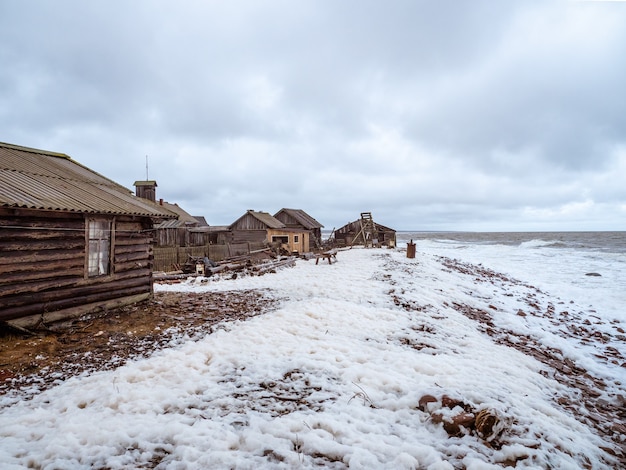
364,231
258,226
71,240
298,219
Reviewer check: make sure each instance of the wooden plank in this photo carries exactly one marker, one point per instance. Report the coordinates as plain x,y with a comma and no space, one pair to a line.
33,321
133,256
35,245
131,265
40,270
72,297
50,289
138,248
25,235
15,258
132,241
73,302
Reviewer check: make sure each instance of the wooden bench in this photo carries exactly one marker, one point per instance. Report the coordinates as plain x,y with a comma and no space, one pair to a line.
329,255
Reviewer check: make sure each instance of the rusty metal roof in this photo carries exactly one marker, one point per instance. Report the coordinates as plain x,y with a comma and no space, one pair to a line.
38,179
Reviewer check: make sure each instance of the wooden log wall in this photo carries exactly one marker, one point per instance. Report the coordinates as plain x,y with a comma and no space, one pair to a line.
249,236
43,263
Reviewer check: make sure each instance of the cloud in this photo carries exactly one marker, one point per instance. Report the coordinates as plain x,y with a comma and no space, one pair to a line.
448,115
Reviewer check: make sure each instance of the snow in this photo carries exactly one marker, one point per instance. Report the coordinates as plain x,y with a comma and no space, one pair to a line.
332,378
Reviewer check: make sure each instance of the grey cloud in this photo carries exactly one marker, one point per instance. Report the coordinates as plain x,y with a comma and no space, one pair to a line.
446,115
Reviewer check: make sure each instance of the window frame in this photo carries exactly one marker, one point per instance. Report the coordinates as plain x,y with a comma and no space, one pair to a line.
280,238
99,242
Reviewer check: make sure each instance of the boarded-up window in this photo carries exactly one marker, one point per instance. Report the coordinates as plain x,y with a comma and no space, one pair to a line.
99,248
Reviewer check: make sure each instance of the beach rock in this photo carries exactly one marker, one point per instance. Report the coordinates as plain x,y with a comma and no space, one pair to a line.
450,402
456,425
464,419
485,423
425,400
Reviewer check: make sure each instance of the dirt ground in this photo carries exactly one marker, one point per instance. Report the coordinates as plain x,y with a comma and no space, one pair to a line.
109,339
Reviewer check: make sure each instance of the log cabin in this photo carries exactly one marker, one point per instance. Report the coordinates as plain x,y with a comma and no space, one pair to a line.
298,219
71,240
258,226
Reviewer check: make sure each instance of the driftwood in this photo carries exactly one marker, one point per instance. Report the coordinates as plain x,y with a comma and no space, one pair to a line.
170,276
267,267
232,265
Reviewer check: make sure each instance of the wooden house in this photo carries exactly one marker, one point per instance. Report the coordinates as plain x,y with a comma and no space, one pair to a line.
257,226
71,240
298,219
364,231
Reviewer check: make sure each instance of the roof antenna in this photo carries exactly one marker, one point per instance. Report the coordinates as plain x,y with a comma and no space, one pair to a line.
147,179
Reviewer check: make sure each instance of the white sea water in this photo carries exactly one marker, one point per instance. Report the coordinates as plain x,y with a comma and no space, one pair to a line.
559,262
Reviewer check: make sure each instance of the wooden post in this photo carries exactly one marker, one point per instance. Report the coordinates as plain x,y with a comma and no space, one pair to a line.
410,249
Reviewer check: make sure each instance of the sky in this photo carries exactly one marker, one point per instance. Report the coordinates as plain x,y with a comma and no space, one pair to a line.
470,116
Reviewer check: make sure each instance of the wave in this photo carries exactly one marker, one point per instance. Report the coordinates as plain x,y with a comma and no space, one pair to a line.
539,243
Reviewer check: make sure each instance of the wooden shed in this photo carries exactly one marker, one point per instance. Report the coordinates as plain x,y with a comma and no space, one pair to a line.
71,240
298,219
364,231
258,226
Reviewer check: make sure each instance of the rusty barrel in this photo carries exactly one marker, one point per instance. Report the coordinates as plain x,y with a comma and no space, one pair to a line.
410,249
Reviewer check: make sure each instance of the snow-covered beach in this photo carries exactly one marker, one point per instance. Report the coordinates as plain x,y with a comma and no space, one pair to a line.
371,362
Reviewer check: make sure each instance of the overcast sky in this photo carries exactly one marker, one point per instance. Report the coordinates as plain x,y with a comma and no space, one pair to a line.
433,115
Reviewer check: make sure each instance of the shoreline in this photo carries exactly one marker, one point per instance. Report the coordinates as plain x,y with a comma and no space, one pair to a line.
405,309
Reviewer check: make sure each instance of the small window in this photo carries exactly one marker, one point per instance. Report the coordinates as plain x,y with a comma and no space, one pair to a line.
296,238
280,238
99,248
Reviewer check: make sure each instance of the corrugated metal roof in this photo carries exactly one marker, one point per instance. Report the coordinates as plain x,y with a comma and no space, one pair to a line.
184,218
38,179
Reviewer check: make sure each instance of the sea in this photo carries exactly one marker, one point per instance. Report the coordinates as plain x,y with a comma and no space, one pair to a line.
588,268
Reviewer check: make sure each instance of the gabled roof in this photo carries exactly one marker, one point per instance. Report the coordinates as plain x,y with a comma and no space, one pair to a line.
184,218
39,179
201,220
265,218
302,217
356,225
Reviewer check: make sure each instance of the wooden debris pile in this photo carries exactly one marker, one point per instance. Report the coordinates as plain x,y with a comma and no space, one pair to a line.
254,264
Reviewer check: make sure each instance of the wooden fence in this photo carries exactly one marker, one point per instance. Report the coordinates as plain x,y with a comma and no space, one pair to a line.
167,257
